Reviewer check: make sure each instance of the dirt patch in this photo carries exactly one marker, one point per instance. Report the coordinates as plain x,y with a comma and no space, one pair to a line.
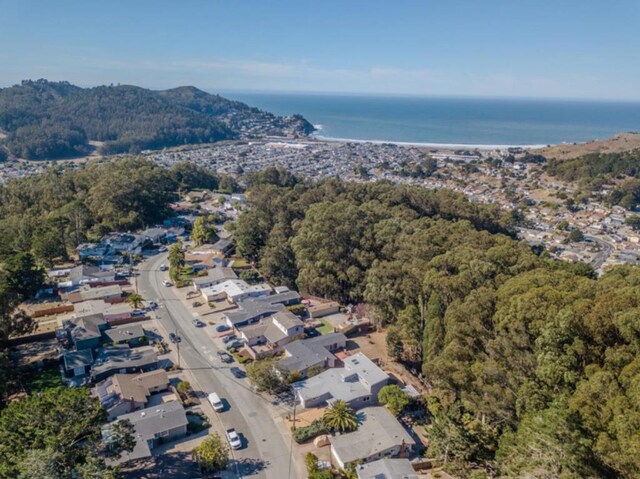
373,345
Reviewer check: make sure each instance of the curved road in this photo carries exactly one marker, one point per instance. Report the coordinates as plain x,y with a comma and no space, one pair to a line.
265,453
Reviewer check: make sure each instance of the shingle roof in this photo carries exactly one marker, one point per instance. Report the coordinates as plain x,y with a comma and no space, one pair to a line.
378,431
387,468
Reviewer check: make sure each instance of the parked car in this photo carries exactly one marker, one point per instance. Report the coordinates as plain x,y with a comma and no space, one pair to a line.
197,323
174,338
233,438
137,312
166,283
228,338
238,373
162,249
152,305
225,357
237,344
222,327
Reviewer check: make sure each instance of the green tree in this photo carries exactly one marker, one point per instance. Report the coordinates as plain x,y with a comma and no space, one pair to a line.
576,236
176,256
633,221
393,340
394,398
340,417
203,231
65,420
263,375
212,454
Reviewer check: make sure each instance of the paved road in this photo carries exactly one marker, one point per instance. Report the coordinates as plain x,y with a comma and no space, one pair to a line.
600,257
265,453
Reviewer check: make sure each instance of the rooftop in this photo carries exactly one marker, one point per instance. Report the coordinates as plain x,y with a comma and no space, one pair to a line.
353,380
378,431
150,422
121,357
219,273
238,287
126,332
253,308
309,352
387,468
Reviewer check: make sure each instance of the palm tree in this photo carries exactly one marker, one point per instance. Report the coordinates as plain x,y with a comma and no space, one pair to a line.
135,300
340,417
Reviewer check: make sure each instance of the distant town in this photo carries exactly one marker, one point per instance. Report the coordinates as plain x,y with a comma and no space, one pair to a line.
484,175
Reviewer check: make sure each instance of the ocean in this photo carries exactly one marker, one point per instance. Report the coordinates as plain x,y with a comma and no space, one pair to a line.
458,121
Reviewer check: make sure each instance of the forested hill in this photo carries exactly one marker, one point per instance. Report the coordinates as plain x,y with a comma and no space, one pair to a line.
49,120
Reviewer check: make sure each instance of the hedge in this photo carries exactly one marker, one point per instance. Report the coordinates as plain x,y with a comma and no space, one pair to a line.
315,429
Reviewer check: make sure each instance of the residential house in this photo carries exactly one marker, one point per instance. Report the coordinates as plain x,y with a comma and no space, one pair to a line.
112,293
216,275
82,333
357,382
253,309
85,274
131,334
323,309
155,235
223,247
123,359
110,311
379,435
124,393
235,290
268,336
310,353
95,251
387,468
77,363
152,426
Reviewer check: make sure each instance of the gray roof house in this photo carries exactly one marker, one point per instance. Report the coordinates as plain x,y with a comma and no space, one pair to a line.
223,247
313,352
123,359
252,309
357,382
387,469
152,427
131,334
89,274
271,334
378,435
214,276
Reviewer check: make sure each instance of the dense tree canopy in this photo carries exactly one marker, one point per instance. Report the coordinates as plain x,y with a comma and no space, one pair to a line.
58,432
52,212
533,364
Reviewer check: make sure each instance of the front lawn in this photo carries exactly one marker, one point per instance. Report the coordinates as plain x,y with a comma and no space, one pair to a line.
325,328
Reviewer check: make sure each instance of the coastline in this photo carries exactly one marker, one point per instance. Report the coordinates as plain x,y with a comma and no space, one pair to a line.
447,146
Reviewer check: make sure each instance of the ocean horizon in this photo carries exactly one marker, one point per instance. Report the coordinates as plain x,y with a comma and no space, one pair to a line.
451,121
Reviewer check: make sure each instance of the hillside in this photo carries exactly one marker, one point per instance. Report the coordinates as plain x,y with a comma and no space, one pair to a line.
616,144
49,120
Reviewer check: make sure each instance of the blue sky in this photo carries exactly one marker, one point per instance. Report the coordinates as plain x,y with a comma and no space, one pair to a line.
567,49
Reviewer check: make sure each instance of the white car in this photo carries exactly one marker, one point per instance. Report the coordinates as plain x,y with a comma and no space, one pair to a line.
163,267
166,283
233,438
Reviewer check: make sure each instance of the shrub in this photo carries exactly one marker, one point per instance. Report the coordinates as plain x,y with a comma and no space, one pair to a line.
315,429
